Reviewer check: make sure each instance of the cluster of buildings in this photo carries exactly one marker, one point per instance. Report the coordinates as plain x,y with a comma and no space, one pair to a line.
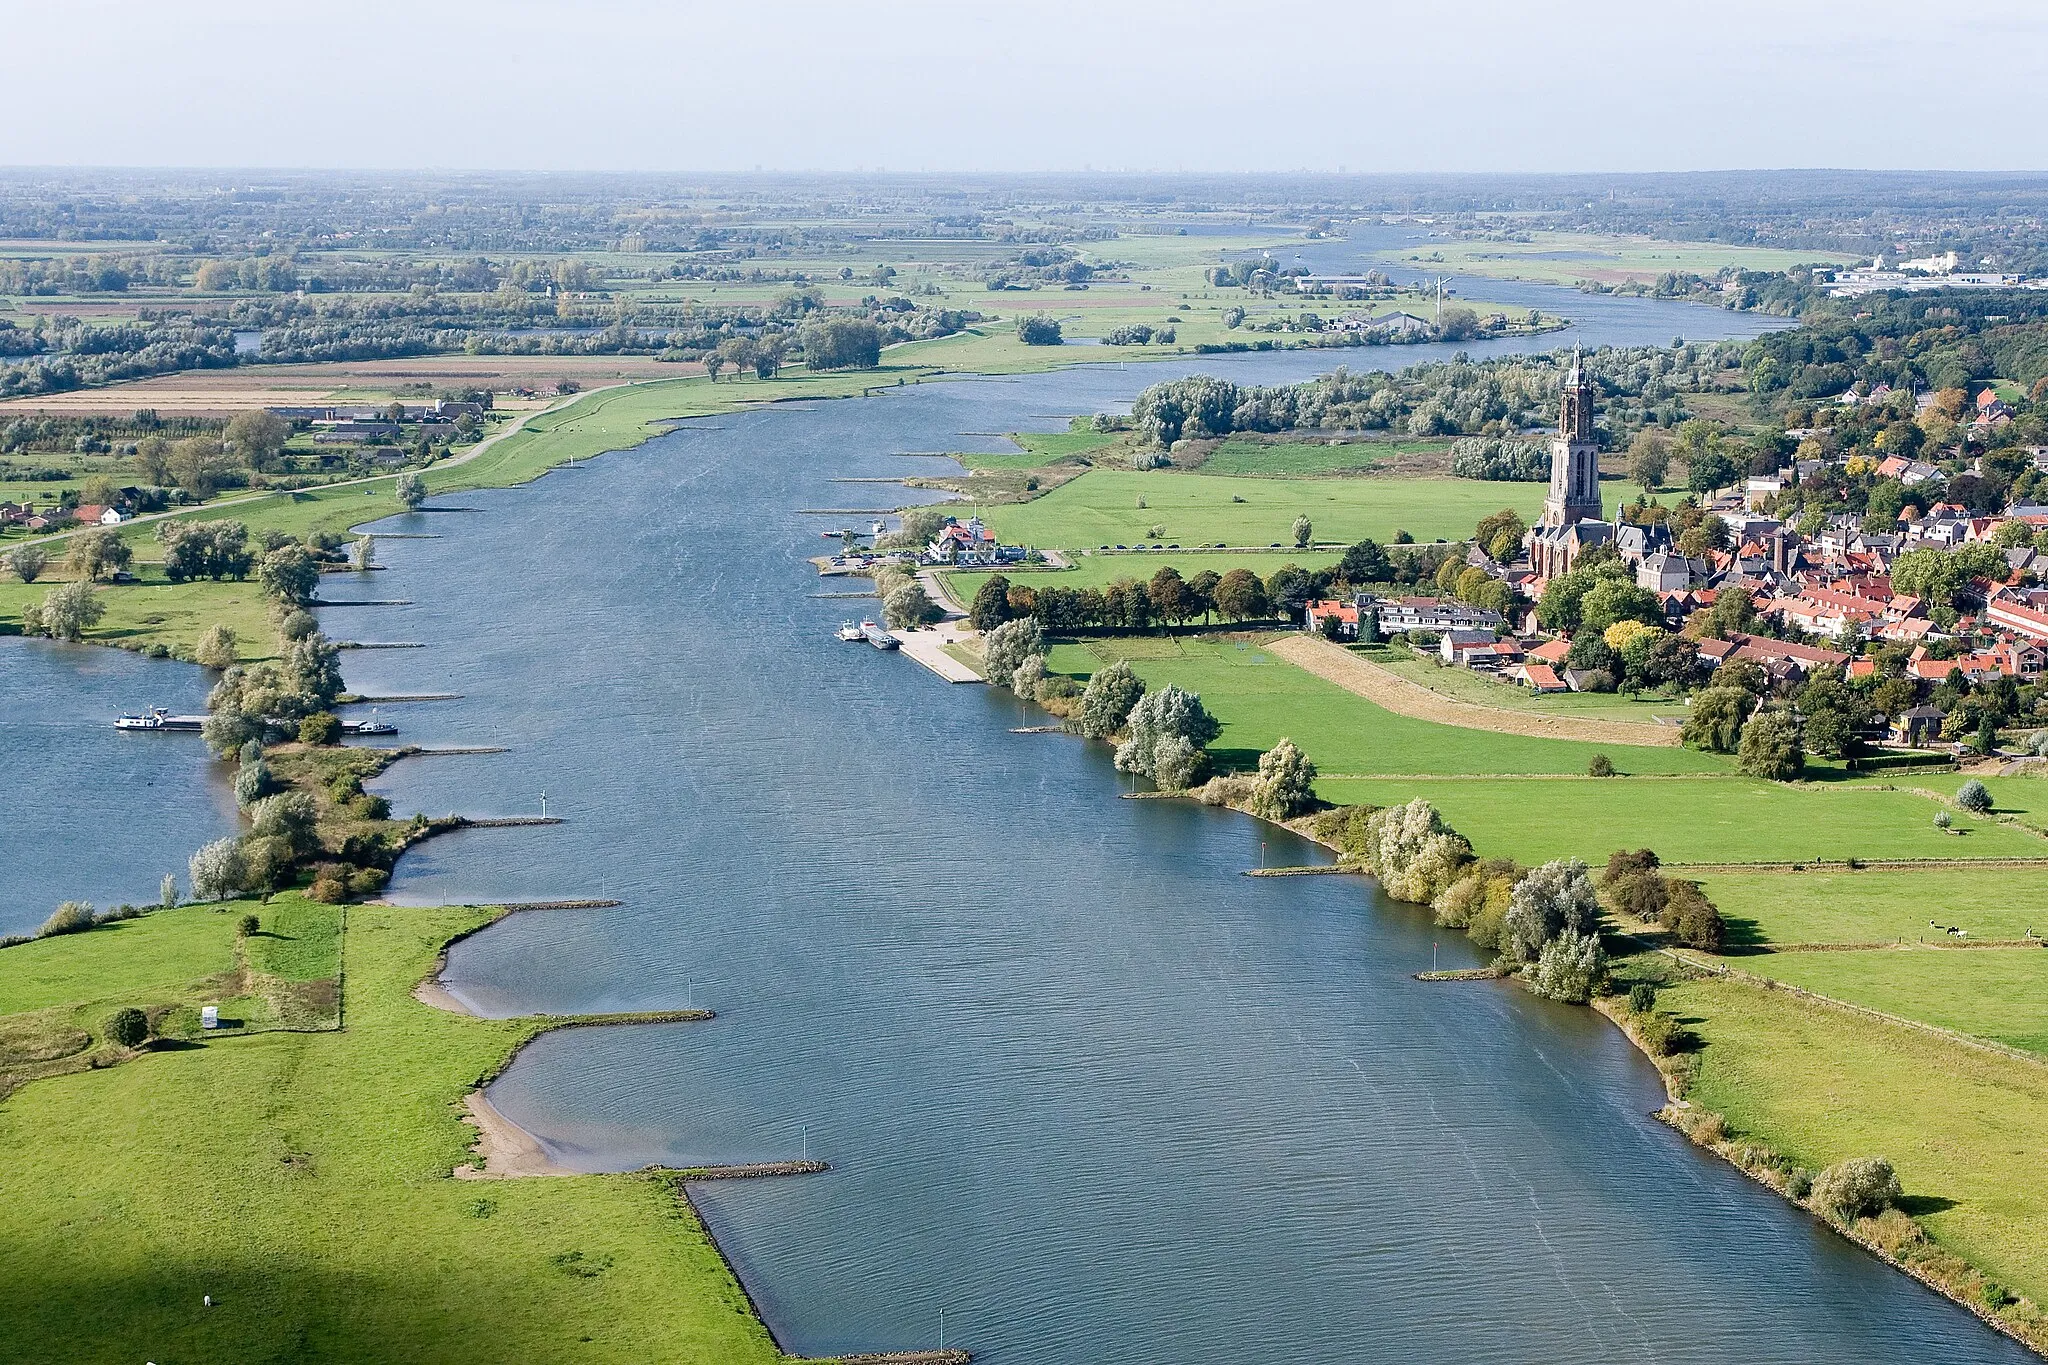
29,518
1942,271
969,545
355,423
1834,585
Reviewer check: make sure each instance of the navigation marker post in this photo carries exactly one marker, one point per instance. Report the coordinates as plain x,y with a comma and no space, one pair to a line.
543,803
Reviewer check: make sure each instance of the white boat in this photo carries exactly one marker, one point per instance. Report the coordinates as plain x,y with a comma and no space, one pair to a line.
852,632
156,718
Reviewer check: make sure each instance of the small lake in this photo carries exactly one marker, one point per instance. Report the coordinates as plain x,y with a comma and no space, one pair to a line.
1085,1088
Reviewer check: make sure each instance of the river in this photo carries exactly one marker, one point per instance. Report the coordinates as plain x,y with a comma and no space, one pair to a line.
1085,1089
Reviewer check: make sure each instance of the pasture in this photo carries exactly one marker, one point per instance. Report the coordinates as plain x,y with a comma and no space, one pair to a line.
1688,820
303,1181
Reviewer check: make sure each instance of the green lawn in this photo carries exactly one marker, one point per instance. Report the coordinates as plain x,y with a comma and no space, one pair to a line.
302,1180
1878,906
1695,820
1996,993
1101,508
155,611
1260,698
1307,458
1094,569
2025,798
117,961
1961,1126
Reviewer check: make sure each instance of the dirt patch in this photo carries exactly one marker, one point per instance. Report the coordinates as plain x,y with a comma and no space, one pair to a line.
1334,664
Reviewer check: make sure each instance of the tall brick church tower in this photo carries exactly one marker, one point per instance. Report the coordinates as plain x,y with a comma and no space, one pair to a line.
1574,456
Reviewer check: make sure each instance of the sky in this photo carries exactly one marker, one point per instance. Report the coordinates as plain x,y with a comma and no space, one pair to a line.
956,85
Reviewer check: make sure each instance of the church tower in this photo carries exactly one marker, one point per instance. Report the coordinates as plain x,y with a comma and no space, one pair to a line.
1574,456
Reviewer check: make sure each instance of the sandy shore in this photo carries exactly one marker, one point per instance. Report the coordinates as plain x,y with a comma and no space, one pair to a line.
504,1150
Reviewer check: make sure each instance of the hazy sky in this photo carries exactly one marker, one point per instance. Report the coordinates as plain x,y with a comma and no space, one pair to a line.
1475,85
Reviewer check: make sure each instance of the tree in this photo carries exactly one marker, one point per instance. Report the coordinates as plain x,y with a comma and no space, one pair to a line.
714,364
1412,852
991,605
218,871
28,562
1500,535
1689,917
1167,728
167,892
197,465
322,727
1008,645
153,460
1026,678
127,1027
1617,599
1365,562
66,614
1303,529
363,557
258,437
99,554
1288,590
1286,783
841,344
291,817
1861,1187
1172,601
1649,458
217,648
1716,719
1552,899
289,575
910,606
1973,797
411,490
1040,329
1569,968
1770,747
1107,701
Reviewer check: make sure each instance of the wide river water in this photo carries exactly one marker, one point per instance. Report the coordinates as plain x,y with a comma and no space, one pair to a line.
1085,1089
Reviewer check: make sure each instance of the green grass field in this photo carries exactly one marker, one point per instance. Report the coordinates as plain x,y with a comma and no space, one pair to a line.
1305,459
1996,993
1565,257
1101,508
303,1180
1260,698
1879,906
1820,1085
1688,821
155,611
2021,798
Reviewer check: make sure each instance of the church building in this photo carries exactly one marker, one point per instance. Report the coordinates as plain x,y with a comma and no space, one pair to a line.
1574,497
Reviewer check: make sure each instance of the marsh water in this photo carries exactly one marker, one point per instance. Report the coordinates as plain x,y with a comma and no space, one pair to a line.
1085,1089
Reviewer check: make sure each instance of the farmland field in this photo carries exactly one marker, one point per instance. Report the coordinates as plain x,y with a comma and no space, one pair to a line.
1260,698
1879,905
1818,1084
1996,993
1693,820
1102,508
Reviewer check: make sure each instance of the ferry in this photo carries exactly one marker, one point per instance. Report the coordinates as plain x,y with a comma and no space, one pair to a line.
853,632
156,718
876,636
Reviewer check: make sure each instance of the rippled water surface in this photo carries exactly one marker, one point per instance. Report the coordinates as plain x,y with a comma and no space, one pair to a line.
1084,1087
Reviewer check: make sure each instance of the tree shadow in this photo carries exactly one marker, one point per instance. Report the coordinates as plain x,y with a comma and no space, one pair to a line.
1920,1205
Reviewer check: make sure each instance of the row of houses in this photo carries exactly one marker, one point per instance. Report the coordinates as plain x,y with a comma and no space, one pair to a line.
26,516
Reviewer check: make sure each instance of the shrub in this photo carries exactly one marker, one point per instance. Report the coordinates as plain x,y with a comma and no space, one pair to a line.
1008,645
322,727
252,783
1177,763
127,1027
909,607
218,871
1631,885
369,806
247,925
69,918
1040,329
1570,968
291,818
1642,998
1413,853
1861,1187
1286,785
1601,766
328,890
1554,899
217,648
1661,1034
1691,918
1478,900
1770,748
1973,797
1346,827
1942,820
